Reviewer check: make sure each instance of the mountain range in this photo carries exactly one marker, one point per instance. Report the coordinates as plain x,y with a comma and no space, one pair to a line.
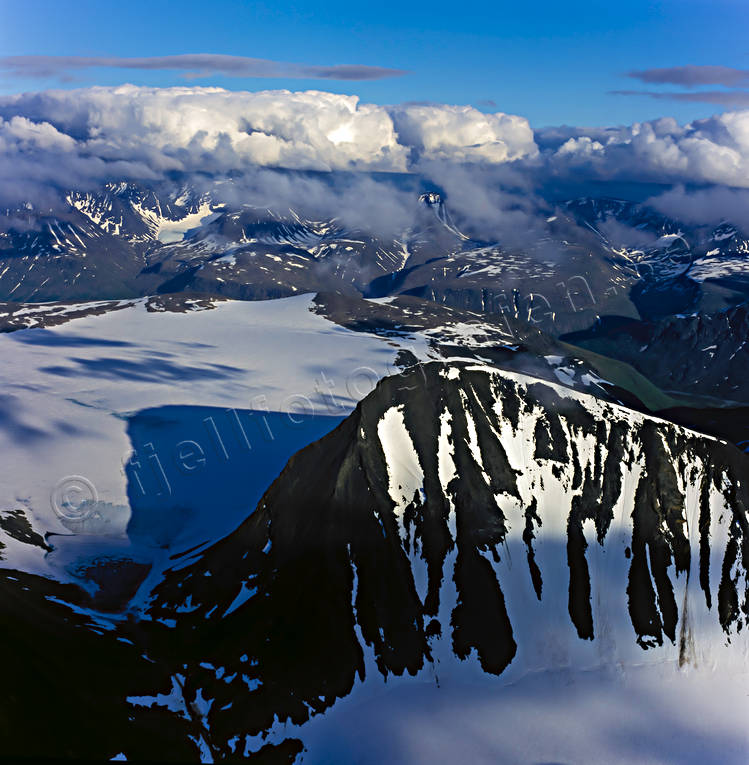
267,475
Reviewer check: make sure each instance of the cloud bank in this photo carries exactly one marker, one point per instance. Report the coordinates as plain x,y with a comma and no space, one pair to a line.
490,164
134,132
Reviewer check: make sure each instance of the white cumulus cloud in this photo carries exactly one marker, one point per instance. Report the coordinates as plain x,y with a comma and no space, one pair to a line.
210,129
463,134
714,150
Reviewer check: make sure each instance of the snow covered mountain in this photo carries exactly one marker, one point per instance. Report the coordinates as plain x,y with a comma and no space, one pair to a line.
465,524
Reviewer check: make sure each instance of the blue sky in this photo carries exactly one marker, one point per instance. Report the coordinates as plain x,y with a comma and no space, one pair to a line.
552,62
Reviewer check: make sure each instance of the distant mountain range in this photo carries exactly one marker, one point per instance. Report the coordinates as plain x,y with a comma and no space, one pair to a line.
597,256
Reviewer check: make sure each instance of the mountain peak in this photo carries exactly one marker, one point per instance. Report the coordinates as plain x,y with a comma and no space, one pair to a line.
431,198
